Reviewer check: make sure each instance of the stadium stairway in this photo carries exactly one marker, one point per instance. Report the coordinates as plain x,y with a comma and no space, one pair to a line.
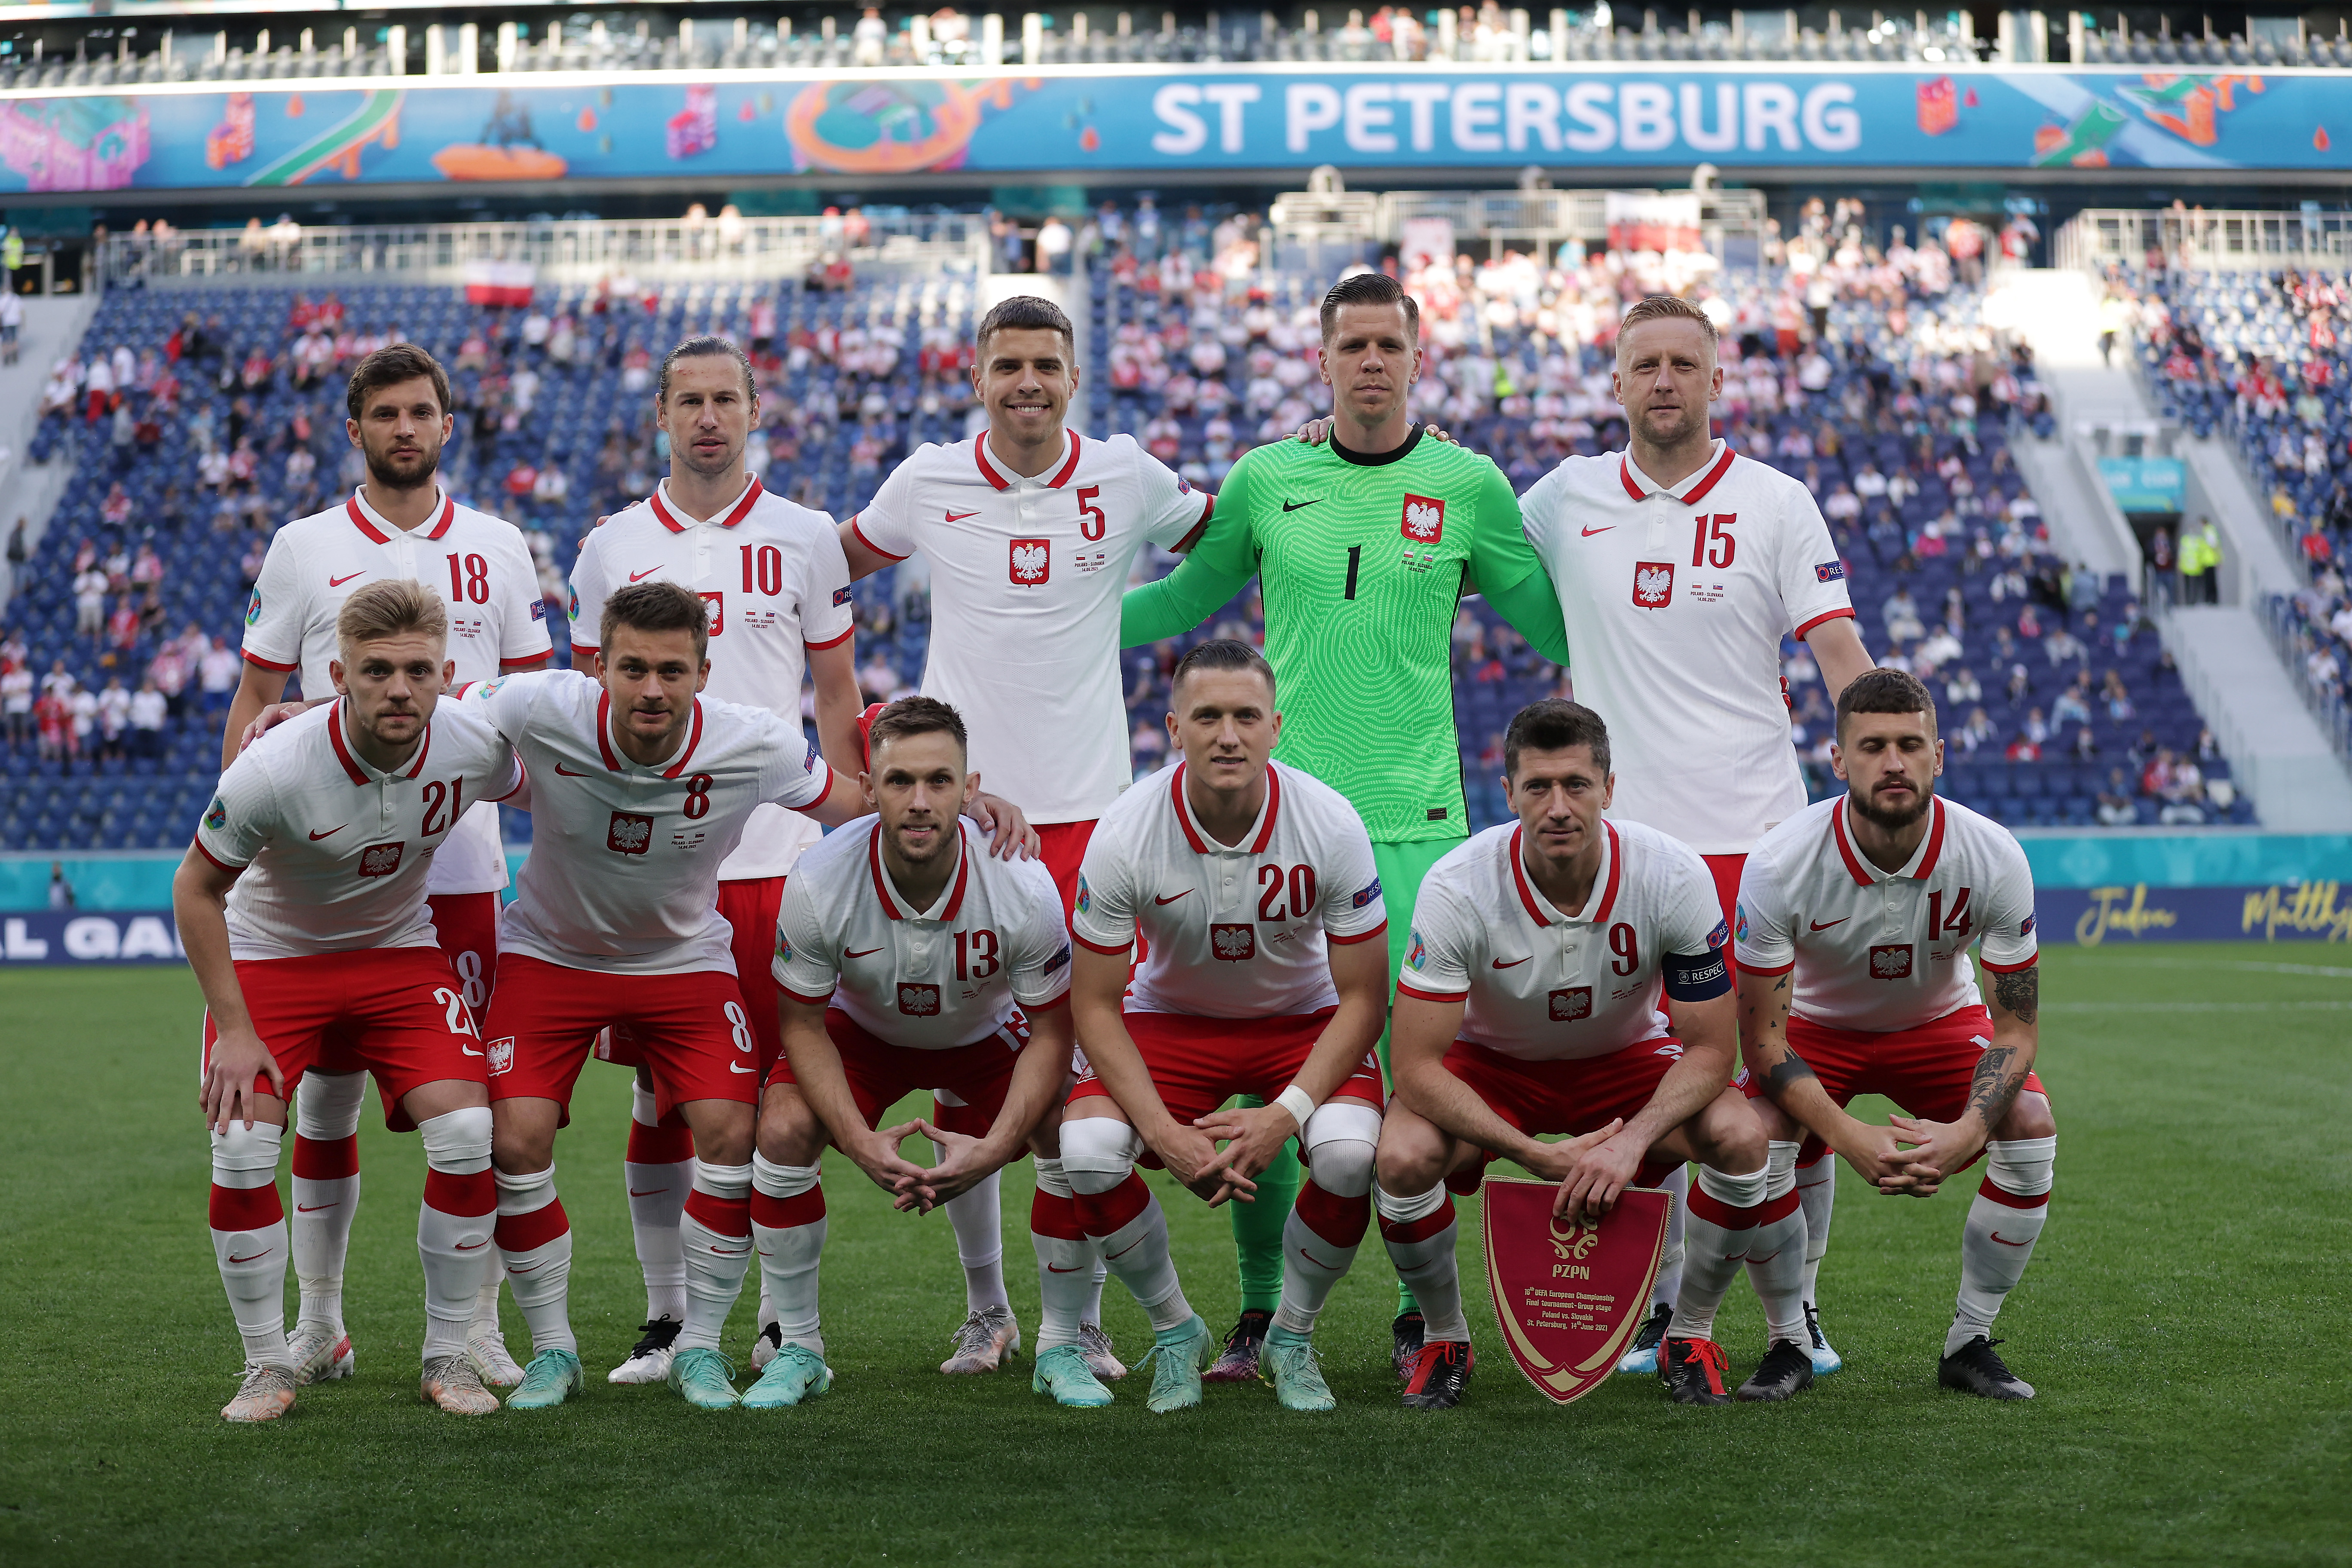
2276,751
53,330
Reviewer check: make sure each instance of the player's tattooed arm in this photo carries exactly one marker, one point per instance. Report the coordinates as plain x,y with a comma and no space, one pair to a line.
1995,1085
1785,1073
2020,992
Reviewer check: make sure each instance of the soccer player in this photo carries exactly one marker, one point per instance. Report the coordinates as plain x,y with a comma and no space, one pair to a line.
1253,887
909,959
773,574
399,525
1363,548
1030,530
1529,1004
1680,567
1856,919
303,907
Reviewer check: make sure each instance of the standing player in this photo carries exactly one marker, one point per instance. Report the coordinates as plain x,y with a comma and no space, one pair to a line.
1363,548
773,574
301,904
1680,567
1869,902
1530,1004
399,525
1030,530
1253,887
910,959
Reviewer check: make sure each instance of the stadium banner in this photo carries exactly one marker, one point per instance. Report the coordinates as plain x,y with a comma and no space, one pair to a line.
1569,1296
74,939
2136,913
1141,120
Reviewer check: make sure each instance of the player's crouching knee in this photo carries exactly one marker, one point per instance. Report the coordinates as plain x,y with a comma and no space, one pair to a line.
1407,1165
790,1133
2029,1116
457,1142
1340,1143
1097,1153
1731,1135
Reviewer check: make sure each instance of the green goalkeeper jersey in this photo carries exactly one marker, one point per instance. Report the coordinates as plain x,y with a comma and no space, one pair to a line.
1361,561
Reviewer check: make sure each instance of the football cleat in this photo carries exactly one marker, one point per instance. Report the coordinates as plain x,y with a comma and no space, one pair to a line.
649,1358
1181,1352
1976,1368
705,1378
492,1363
983,1342
793,1374
1643,1355
765,1344
321,1353
1441,1375
1694,1371
1786,1370
552,1377
1102,1358
1238,1362
266,1393
1825,1360
1065,1373
1295,1372
1406,1339
451,1383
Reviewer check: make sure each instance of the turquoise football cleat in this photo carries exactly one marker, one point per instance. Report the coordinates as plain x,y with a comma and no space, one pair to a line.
705,1378
1181,1353
1825,1359
1295,1372
793,1374
552,1377
1641,1358
1062,1373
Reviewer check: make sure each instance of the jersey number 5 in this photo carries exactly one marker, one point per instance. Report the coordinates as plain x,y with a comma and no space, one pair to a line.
1092,524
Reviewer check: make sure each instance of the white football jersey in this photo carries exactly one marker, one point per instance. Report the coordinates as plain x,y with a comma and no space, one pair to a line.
1231,932
1676,602
1547,987
1027,576
623,874
925,979
1884,950
772,573
337,857
485,575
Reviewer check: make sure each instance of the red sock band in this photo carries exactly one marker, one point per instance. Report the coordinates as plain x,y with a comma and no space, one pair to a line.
783,1214
659,1145
1420,1229
530,1232
326,1159
1055,1218
245,1209
1340,1221
727,1216
464,1197
1107,1214
1706,1206
2007,1199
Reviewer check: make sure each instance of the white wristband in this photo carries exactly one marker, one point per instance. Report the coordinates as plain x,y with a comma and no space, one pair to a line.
1296,1101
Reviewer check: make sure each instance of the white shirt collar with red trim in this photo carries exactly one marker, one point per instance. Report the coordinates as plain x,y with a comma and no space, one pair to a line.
1055,475
1641,487
1260,835
1918,868
382,531
613,760
1541,910
677,522
948,903
358,768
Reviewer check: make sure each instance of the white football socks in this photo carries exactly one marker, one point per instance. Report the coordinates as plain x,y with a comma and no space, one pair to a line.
249,1227
453,1223
1669,1283
2004,1222
717,1231
1421,1232
1069,1264
659,1170
977,1215
326,1189
534,1237
788,1226
1817,1192
1327,1224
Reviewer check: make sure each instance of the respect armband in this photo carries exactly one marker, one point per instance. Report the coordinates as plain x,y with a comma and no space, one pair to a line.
1696,976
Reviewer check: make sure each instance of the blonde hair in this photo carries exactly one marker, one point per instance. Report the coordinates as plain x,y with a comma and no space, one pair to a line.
1665,308
388,609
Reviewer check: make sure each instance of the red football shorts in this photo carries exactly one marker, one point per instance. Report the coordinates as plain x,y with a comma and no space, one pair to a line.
691,1028
466,925
750,906
1572,1096
1064,849
967,1082
396,1012
1198,1064
1925,1070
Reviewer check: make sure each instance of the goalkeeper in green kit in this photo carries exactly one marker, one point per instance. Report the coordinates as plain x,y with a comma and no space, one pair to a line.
1363,545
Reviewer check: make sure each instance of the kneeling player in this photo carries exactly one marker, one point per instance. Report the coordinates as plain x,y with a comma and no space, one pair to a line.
1254,887
1530,1003
1856,919
302,906
909,958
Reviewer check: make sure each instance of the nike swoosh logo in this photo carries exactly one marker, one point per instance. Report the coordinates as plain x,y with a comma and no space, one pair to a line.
339,581
1185,894
1123,1251
860,952
732,1252
1295,506
567,773
960,516
1760,1262
521,1267
468,1051
1057,1268
473,1247
649,1192
1824,925
2006,1242
1589,532
1513,965
265,1252
1317,1262
314,1208
641,577
739,1066
328,834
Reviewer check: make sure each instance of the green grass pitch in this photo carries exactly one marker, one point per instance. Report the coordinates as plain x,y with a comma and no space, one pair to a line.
2185,1320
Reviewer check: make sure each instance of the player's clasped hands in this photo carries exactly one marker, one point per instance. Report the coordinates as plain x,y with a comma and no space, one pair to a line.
878,1155
1593,1170
1881,1155
1192,1157
967,1163
1251,1137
